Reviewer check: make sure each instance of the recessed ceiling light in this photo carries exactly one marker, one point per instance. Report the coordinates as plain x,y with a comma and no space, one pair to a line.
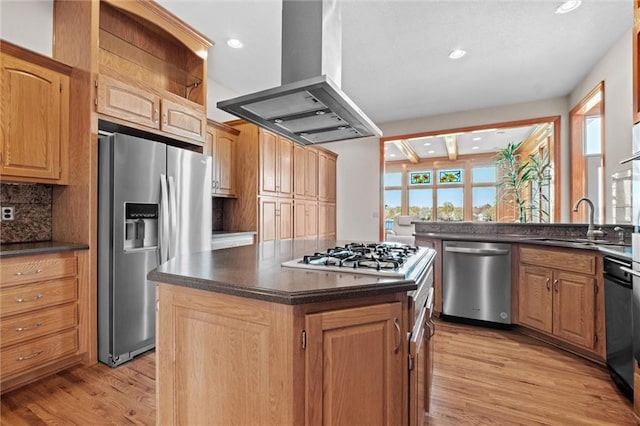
568,6
234,43
431,151
392,155
477,138
475,147
457,54
427,144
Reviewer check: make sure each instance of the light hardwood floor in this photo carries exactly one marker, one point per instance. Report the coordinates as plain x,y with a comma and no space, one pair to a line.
481,377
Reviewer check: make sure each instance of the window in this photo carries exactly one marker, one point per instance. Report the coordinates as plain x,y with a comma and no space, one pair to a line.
450,204
484,203
392,204
421,203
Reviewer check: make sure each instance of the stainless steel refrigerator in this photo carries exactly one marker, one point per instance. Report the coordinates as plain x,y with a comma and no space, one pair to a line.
154,203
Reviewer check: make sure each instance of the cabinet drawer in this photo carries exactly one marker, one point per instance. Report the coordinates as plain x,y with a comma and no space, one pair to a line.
21,270
31,325
575,261
16,300
20,358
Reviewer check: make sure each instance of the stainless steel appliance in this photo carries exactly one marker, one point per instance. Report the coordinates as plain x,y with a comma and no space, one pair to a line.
618,322
154,202
476,281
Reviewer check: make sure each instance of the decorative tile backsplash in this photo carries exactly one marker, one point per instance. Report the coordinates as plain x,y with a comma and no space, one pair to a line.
32,212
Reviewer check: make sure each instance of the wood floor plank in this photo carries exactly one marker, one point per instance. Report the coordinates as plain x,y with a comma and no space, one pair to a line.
482,376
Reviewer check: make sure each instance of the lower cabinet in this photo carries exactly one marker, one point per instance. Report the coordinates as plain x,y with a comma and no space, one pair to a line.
554,298
276,218
247,361
38,317
306,219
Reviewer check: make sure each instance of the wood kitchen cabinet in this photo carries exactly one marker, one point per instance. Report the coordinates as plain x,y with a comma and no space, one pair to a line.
305,219
39,319
34,133
276,165
140,105
327,177
353,366
221,144
557,294
305,172
271,167
327,363
636,61
276,218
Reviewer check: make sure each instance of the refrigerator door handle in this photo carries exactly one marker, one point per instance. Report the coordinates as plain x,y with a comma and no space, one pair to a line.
164,220
173,217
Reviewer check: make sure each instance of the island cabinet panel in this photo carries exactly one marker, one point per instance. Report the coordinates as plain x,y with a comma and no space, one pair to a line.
224,359
353,358
556,299
34,130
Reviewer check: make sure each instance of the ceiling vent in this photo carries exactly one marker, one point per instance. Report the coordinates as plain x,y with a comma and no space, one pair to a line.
309,107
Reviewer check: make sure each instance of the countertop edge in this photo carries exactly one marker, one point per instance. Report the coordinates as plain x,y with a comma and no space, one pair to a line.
285,298
31,249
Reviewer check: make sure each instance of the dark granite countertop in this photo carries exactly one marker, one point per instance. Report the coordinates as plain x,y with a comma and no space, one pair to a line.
255,271
42,247
609,248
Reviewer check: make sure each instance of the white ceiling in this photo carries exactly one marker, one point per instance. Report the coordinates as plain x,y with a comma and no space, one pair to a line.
395,63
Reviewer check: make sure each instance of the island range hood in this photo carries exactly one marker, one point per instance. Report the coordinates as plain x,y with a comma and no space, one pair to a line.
309,107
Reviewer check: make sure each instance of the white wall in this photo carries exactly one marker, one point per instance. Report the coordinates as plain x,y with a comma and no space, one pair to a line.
357,194
615,70
217,92
19,18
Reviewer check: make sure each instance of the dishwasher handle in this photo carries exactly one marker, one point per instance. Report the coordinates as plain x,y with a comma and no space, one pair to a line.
485,252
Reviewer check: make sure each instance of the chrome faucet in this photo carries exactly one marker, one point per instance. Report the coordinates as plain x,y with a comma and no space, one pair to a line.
592,233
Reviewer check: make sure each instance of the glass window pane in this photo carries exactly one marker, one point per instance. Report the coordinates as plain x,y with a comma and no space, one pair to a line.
592,135
392,201
483,174
450,204
393,179
421,203
484,204
450,176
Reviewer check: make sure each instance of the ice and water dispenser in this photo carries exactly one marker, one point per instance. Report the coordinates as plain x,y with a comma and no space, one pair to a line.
141,226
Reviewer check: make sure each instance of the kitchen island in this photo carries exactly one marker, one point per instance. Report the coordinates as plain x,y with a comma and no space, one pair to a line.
244,340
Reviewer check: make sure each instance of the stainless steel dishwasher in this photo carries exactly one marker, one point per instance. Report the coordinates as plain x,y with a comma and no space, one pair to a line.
476,281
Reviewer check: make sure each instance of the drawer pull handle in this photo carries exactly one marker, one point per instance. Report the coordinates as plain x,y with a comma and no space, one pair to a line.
36,271
36,297
26,357
396,324
37,325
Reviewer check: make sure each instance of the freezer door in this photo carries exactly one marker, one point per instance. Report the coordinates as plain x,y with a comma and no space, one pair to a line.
189,183
129,174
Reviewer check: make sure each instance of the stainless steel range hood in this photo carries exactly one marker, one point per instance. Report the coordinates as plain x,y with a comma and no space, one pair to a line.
309,107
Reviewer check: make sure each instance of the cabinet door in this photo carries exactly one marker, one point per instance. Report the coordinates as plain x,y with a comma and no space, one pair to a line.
311,174
268,163
574,308
299,170
535,298
354,364
285,167
268,219
311,220
223,161
284,216
183,118
120,100
300,219
417,372
32,110
327,177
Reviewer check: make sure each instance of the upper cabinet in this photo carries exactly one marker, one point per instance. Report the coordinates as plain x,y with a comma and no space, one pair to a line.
327,177
35,117
276,164
147,68
221,145
636,58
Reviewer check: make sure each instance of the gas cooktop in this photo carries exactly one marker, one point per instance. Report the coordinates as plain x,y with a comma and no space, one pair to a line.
381,259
